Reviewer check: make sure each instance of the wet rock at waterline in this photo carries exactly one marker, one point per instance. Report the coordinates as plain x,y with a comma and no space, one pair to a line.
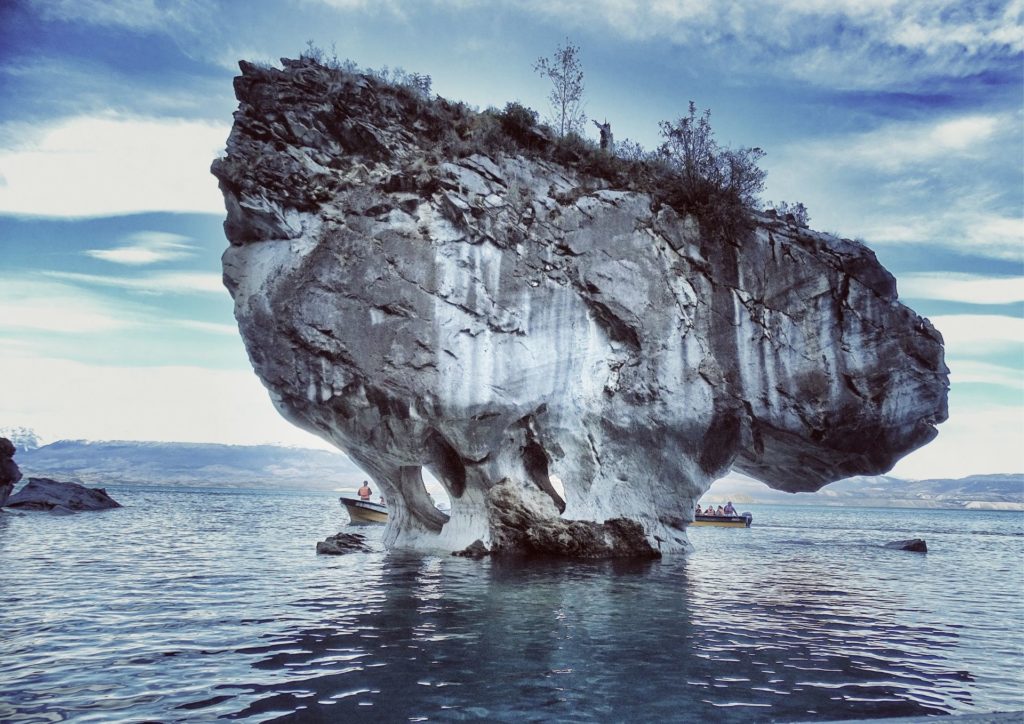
503,321
915,545
342,543
476,549
526,521
60,497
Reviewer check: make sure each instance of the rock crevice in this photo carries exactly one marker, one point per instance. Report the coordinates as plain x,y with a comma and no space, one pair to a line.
504,321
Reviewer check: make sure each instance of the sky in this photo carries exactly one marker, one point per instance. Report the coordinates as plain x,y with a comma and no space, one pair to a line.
897,123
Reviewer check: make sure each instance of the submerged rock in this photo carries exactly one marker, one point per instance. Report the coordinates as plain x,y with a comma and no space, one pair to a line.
500,319
9,472
342,543
61,498
914,544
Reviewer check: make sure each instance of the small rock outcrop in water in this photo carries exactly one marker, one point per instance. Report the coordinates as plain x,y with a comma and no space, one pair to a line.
9,473
342,543
526,521
58,497
500,318
476,549
915,545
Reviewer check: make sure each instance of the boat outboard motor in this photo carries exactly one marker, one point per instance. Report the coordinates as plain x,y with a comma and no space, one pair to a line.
749,517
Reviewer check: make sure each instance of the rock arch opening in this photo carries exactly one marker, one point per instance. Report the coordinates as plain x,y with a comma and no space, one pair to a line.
438,495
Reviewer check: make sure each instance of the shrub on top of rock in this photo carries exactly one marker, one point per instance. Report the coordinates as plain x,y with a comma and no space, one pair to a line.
689,172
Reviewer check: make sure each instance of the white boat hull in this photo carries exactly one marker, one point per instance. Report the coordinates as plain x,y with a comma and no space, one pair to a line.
362,512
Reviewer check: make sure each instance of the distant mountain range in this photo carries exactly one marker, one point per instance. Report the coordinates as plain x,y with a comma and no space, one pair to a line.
277,467
992,492
189,464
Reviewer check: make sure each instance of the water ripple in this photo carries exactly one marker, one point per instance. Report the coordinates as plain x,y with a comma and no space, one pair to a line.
189,606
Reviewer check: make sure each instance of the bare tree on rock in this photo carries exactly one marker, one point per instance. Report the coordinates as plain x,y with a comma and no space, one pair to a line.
565,71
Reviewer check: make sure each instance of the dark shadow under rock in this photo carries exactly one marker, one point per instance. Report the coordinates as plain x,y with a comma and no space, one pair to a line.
60,497
915,545
342,543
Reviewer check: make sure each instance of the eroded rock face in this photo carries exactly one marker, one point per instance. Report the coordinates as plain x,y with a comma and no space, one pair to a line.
500,320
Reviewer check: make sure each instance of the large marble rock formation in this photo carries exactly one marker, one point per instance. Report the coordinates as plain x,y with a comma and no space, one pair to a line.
9,472
501,319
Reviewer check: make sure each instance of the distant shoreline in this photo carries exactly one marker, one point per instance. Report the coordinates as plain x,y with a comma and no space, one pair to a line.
290,489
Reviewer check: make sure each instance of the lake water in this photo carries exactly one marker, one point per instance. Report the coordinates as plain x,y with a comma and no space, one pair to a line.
191,605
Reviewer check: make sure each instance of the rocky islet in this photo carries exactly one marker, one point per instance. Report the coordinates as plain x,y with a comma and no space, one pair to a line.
62,498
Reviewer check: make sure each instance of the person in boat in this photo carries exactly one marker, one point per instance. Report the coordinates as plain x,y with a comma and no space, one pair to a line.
381,500
698,511
729,510
720,511
364,492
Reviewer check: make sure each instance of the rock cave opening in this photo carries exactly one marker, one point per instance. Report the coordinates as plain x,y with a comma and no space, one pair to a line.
436,491
447,467
535,462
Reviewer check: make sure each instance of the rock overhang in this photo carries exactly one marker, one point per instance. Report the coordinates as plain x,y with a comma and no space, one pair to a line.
499,318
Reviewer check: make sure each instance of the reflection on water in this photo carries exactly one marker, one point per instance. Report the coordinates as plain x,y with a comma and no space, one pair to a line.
197,605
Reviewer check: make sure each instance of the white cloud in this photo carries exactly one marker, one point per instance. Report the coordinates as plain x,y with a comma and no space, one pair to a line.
1003,236
147,247
976,335
894,146
962,371
86,82
156,283
68,399
211,327
53,307
392,6
975,440
111,164
838,43
131,14
950,182
964,288
957,227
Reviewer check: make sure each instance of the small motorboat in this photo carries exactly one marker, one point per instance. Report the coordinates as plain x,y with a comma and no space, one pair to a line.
363,511
742,520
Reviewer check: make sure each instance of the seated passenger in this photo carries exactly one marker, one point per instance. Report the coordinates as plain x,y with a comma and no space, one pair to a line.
698,511
719,511
729,510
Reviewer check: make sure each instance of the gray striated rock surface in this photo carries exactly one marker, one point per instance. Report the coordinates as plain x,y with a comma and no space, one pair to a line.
502,319
60,497
9,472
